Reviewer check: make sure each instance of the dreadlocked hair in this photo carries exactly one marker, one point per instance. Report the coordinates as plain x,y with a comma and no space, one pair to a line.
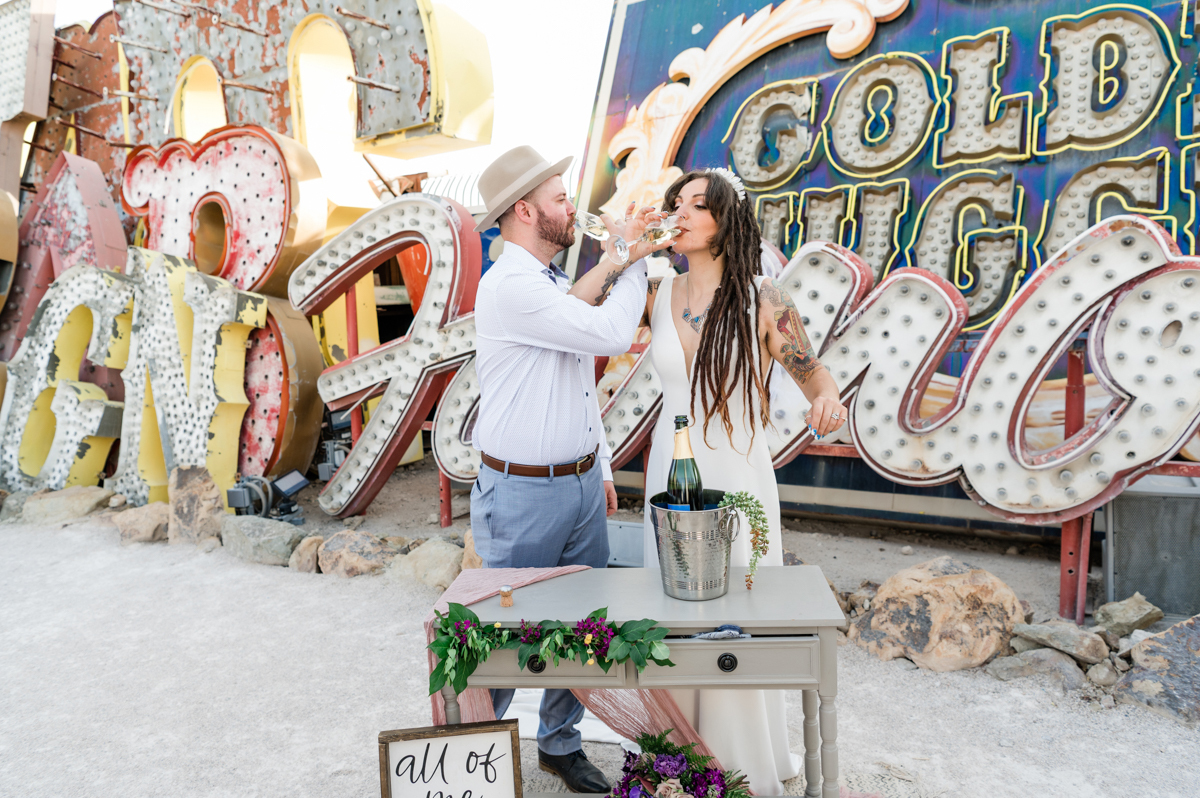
732,321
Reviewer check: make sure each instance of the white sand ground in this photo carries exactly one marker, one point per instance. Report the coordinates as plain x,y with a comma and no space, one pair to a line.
154,670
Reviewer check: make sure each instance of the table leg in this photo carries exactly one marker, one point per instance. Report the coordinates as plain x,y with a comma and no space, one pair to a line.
453,713
828,714
812,757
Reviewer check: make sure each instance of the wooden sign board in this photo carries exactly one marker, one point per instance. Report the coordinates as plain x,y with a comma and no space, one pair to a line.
468,760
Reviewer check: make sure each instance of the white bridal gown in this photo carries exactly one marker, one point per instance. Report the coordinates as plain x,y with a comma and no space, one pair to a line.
746,729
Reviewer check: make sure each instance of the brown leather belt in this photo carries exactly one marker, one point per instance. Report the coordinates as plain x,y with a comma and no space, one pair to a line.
577,468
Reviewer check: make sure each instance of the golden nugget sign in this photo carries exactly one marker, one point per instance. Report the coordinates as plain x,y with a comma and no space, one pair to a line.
930,186
976,157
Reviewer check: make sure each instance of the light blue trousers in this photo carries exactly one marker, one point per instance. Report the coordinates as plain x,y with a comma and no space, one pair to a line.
541,522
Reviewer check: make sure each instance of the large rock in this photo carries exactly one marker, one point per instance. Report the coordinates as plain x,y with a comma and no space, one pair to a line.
68,504
1045,661
261,540
353,553
196,507
1127,643
1057,665
304,558
1165,677
943,614
471,558
1021,645
1008,668
1111,640
436,563
145,524
1066,637
14,503
1103,674
1122,617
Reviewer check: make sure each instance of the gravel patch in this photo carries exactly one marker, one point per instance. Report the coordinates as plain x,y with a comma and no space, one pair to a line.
154,669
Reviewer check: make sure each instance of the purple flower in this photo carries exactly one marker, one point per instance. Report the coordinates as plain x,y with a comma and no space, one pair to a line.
670,767
636,792
598,629
709,784
529,632
630,761
461,628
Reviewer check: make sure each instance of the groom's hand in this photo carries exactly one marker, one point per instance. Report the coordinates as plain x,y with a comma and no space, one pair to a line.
631,229
610,497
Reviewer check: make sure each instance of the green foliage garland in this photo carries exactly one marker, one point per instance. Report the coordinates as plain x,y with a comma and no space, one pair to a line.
462,643
756,517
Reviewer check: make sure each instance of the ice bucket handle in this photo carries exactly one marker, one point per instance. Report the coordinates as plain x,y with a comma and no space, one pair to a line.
733,518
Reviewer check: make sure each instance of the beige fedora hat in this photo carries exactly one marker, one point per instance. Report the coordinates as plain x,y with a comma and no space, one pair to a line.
510,177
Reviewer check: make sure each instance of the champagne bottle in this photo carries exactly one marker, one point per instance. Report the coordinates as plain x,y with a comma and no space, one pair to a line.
685,491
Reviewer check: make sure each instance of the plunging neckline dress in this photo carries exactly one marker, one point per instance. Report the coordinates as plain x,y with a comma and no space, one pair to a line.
746,729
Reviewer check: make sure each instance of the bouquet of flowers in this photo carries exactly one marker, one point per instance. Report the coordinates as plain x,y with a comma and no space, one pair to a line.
667,770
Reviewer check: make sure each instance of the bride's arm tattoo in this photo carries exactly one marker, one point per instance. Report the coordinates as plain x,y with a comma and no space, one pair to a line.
651,289
796,350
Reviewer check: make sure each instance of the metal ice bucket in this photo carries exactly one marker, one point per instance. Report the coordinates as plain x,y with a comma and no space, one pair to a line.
693,547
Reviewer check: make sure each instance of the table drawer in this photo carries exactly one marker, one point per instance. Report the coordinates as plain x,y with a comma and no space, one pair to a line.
764,662
501,670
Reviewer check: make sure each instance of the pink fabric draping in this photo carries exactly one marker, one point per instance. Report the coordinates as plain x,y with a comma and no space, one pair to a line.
627,712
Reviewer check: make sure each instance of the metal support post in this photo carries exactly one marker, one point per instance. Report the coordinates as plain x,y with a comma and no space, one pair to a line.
1072,531
1085,545
444,499
356,417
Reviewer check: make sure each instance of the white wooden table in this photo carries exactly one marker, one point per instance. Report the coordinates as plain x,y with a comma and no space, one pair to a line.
791,613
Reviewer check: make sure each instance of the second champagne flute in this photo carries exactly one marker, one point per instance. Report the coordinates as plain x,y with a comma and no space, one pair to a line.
592,226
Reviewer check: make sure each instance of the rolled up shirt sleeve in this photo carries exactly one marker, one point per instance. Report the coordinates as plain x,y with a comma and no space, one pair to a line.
541,315
605,457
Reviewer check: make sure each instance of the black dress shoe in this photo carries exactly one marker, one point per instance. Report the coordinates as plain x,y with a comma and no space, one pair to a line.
575,770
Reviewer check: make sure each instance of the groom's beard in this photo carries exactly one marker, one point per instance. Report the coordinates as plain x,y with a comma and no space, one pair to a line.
560,235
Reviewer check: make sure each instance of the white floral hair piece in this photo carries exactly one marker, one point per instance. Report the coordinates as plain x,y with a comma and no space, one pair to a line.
730,178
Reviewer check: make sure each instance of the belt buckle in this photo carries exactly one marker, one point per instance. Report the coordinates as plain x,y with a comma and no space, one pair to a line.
579,465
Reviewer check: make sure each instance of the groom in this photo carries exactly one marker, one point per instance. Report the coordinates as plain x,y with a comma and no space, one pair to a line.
545,487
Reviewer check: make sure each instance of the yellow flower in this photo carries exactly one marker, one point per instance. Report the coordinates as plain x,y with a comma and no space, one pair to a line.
587,640
591,662
497,624
590,651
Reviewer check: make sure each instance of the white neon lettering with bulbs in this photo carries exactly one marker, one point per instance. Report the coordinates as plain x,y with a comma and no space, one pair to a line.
80,316
1124,278
186,363
440,339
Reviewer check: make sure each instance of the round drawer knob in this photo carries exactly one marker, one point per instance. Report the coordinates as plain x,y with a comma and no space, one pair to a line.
727,662
535,665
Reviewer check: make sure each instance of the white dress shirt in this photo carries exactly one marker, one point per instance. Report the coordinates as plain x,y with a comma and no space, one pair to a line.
535,355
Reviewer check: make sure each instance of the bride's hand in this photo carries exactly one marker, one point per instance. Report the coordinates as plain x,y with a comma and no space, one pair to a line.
633,227
827,415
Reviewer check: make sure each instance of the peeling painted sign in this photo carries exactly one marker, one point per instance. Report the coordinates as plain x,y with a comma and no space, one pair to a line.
184,395
245,204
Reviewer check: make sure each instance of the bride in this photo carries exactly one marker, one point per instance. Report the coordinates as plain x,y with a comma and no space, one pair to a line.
713,330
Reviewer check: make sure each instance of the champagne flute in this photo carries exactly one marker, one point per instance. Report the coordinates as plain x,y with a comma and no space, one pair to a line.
592,226
661,229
